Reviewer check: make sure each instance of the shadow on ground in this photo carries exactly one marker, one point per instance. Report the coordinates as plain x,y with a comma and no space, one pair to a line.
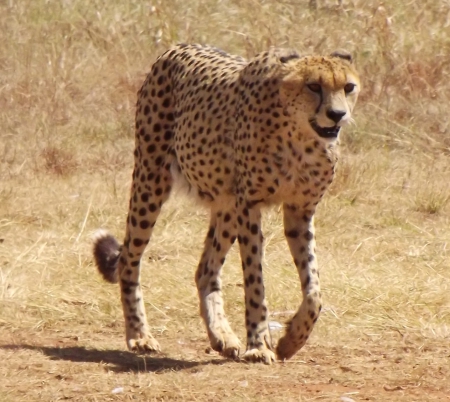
121,361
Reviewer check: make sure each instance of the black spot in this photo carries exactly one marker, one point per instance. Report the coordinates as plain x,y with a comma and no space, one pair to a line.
253,304
138,242
307,281
293,233
168,135
211,232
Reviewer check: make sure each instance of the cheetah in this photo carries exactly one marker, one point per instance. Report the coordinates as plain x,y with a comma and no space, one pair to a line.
241,135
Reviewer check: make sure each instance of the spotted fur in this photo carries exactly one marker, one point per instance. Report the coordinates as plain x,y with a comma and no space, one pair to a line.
241,134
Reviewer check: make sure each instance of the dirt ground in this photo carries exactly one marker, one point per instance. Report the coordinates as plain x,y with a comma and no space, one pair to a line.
93,366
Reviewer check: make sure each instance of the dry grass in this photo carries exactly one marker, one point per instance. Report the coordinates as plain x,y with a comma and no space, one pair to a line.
69,73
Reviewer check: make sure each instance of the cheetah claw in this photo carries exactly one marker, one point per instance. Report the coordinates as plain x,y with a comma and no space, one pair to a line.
230,352
144,345
265,356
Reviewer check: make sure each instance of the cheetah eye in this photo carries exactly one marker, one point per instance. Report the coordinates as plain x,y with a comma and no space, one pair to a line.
349,88
315,88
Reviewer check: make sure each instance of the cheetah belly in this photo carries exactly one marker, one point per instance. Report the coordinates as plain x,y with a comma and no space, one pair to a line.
206,162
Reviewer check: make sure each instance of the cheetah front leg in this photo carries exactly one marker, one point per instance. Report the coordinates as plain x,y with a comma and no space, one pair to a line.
221,236
259,341
299,231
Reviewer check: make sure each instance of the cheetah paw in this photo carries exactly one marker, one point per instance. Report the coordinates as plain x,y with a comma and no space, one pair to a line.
144,345
265,356
228,347
287,347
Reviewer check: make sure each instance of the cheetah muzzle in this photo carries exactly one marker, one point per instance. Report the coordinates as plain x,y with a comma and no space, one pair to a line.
240,135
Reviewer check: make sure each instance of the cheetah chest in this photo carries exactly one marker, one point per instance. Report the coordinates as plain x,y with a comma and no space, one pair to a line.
294,173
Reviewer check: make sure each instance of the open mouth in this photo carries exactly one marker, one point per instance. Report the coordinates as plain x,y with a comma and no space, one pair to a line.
325,132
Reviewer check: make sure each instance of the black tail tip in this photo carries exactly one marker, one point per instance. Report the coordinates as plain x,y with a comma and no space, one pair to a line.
106,255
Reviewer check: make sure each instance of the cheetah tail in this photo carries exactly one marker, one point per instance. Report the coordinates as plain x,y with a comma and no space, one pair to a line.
106,255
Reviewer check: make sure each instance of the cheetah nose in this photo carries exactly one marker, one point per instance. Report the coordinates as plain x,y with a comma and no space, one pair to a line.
335,115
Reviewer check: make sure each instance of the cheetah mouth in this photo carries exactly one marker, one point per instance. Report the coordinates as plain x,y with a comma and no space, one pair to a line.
325,132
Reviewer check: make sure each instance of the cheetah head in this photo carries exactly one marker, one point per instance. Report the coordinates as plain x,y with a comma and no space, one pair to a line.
320,92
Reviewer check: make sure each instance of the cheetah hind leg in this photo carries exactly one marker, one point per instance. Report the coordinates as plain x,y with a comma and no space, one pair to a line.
220,238
107,253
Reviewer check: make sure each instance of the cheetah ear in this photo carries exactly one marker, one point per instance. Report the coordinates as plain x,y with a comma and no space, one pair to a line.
285,55
342,54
